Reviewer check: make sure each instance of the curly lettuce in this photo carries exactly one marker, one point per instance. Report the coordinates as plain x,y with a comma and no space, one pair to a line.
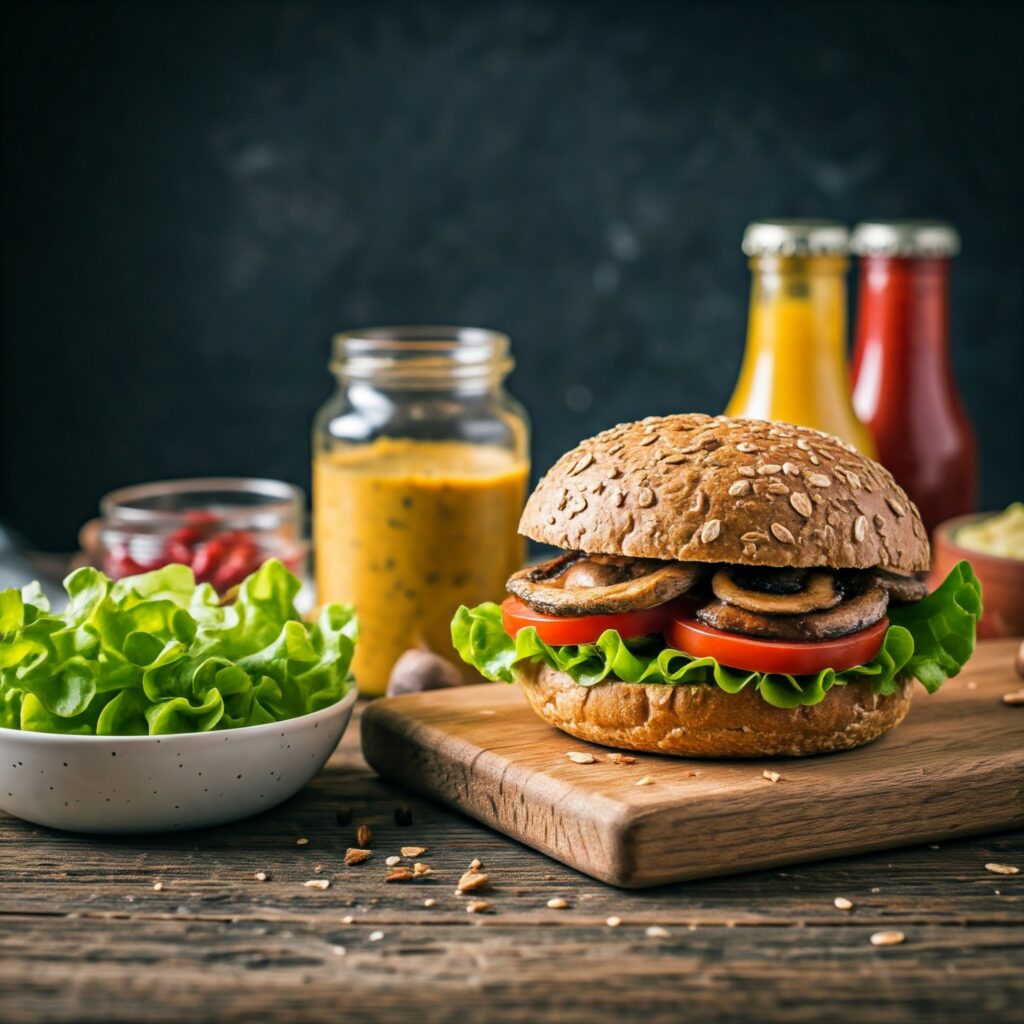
157,654
929,640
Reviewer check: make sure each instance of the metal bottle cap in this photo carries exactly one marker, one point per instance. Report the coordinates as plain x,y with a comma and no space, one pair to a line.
785,237
921,238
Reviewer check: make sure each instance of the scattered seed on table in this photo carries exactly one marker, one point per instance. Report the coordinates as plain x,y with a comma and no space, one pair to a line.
399,875
887,938
392,861
419,869
842,903
302,842
618,758
364,836
376,936
613,922
473,880
317,869
475,864
318,883
1002,869
347,919
770,776
645,781
477,907
876,891
158,886
338,950
580,758
656,932
354,856
430,903
413,851
261,876
557,904
1014,699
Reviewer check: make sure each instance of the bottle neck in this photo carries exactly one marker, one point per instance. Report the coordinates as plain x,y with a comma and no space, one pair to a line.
798,308
794,367
904,303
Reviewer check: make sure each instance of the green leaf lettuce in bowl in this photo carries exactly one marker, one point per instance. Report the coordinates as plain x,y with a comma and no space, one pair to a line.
156,654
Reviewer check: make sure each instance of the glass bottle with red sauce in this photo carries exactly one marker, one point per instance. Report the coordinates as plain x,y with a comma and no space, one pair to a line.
903,384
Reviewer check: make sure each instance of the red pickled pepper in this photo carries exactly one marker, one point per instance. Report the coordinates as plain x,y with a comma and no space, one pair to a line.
222,559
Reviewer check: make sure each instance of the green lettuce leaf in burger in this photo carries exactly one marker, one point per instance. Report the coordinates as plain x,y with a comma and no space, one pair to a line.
726,588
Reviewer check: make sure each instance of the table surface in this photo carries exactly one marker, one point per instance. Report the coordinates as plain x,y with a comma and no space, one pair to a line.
179,928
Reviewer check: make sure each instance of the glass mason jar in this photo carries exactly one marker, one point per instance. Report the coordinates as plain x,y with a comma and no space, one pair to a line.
420,466
794,366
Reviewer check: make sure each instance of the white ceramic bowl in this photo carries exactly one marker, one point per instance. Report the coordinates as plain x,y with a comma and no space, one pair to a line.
164,783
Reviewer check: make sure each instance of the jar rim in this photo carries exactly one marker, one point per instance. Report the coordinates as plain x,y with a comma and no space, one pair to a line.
421,355
242,502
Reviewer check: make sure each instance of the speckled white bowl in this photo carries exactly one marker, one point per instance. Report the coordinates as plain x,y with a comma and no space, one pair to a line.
164,783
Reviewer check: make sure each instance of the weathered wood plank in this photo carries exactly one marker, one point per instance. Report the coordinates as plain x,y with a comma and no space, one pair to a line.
212,872
85,937
172,970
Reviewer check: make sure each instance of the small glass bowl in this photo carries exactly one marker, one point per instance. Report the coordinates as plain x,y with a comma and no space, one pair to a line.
223,527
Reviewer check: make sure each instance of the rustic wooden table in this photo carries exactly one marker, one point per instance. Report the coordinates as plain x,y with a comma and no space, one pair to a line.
179,928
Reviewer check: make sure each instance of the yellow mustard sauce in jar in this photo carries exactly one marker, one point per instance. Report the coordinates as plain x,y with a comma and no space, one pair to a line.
420,470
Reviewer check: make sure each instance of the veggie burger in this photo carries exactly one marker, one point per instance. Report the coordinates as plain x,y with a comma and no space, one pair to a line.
726,588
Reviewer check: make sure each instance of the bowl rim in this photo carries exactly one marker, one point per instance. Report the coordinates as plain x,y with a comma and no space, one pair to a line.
945,533
31,735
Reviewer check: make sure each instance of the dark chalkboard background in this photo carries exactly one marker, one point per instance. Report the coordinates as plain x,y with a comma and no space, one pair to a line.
196,196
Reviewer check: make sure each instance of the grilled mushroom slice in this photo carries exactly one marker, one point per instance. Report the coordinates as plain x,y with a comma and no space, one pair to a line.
581,584
857,612
900,587
817,592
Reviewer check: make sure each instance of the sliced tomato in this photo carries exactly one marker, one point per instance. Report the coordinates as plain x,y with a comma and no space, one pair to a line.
560,630
795,658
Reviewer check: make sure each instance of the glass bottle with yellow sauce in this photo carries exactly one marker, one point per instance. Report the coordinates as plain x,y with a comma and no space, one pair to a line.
794,368
420,466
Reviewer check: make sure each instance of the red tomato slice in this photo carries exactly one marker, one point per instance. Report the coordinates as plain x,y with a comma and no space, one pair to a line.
559,630
795,658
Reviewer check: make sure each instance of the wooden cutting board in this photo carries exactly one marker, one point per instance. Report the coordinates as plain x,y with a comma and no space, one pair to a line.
954,767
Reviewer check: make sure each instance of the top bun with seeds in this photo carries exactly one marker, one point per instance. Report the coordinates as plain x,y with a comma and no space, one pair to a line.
695,488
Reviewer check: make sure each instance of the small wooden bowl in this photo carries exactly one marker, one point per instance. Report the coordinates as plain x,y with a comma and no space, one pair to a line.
1002,579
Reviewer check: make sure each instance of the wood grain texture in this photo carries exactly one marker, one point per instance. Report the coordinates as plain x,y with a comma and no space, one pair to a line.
84,936
955,767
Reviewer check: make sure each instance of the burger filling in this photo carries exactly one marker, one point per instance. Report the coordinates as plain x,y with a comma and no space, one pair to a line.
790,633
579,584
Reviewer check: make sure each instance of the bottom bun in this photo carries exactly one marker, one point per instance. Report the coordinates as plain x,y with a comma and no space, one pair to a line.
700,720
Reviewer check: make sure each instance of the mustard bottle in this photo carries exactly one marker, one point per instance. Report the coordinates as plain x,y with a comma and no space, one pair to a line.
794,366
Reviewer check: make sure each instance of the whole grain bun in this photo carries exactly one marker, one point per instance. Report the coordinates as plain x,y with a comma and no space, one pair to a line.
699,720
697,488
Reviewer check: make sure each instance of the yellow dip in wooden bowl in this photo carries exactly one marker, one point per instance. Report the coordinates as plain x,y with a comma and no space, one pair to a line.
409,530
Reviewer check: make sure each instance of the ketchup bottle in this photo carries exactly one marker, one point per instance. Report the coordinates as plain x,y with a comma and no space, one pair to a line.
903,384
